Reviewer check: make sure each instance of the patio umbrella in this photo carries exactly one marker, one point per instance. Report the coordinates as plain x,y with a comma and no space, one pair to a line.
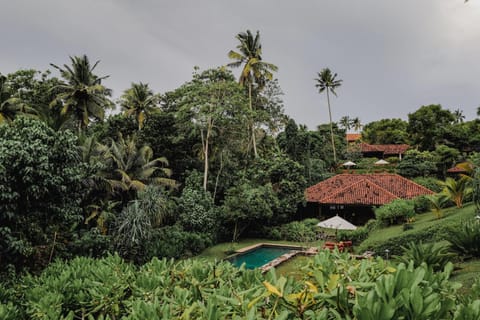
349,164
381,162
337,223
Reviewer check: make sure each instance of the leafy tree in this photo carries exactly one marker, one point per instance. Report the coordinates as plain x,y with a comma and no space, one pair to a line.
196,210
172,138
82,96
385,131
246,204
417,164
139,101
427,126
288,183
215,104
41,189
446,157
327,81
10,106
34,91
255,71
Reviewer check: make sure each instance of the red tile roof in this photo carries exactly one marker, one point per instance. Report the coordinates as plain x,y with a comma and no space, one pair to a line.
456,170
351,137
364,189
387,149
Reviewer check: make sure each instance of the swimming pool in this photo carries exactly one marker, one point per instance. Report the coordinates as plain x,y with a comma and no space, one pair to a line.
260,255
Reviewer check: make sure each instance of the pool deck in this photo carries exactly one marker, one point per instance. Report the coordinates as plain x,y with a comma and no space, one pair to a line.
275,262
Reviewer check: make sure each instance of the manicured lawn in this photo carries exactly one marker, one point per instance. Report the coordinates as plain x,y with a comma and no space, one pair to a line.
293,267
423,221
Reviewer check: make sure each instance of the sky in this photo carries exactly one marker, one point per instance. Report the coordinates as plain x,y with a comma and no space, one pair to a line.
393,56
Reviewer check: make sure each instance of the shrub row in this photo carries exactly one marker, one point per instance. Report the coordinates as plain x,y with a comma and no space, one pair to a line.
333,287
300,231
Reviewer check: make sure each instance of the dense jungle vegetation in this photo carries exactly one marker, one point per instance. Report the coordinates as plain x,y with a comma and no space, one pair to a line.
94,192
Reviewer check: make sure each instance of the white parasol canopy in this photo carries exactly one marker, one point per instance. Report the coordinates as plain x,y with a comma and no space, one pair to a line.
337,223
349,164
381,162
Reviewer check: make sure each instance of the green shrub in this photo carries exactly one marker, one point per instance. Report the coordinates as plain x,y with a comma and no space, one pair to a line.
429,183
421,204
174,242
435,255
395,212
465,239
438,232
301,231
409,293
356,236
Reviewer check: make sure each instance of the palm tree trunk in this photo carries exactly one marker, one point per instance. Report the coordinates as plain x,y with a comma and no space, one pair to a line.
254,142
331,129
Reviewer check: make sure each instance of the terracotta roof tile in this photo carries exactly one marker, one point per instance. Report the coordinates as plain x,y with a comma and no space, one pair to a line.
387,149
364,189
351,137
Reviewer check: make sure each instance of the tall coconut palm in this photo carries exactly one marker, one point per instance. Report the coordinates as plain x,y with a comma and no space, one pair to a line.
82,95
255,71
346,122
327,81
139,101
356,124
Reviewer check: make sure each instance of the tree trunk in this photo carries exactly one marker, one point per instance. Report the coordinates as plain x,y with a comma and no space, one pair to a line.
254,141
205,142
331,129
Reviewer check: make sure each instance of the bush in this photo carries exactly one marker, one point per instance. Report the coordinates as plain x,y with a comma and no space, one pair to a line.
421,204
359,234
429,183
435,255
438,232
395,212
301,231
465,239
174,242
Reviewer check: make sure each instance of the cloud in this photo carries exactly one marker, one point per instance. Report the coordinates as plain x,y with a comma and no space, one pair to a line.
393,56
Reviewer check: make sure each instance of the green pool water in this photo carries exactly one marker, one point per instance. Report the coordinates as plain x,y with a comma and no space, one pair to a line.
259,256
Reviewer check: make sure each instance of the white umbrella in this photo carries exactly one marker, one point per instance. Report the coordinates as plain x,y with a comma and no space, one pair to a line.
381,162
337,223
349,164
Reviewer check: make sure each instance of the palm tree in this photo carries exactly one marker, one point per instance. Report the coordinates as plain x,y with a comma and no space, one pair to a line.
456,190
346,122
130,169
356,124
10,106
82,96
327,82
459,116
139,101
255,70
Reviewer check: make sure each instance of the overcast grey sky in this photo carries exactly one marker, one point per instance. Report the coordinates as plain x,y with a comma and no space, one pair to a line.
393,56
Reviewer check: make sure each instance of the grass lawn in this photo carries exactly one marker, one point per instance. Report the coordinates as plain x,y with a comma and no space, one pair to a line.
466,272
293,267
422,221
